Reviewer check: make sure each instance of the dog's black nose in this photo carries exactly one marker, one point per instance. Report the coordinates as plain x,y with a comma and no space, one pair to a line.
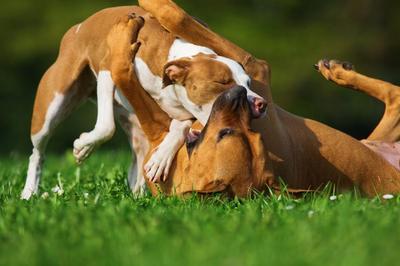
236,92
232,99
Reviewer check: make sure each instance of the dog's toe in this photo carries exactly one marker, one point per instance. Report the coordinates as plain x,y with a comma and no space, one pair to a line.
348,66
326,63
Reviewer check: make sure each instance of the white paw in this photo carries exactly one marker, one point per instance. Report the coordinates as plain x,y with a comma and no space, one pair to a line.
83,148
28,192
159,164
139,190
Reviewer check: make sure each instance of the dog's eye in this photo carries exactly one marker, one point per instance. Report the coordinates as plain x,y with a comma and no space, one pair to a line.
225,81
224,132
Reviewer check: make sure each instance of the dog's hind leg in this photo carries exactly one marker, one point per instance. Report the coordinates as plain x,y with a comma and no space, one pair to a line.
343,74
140,147
58,94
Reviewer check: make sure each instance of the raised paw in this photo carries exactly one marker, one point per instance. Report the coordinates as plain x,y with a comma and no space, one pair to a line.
126,30
82,149
336,71
159,164
122,39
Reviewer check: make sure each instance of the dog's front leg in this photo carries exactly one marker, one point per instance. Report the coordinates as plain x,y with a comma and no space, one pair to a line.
163,156
105,125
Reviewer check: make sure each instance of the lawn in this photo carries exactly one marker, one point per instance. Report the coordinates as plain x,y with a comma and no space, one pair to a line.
97,222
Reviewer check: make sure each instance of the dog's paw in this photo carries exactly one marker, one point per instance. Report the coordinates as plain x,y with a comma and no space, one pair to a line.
139,190
336,71
28,192
126,29
159,164
122,39
82,148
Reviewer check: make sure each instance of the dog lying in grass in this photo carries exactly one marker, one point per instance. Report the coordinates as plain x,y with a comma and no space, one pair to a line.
305,154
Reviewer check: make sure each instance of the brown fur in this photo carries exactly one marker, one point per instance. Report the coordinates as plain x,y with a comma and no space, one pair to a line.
304,153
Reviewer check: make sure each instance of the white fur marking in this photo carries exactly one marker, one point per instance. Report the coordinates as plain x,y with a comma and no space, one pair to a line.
78,28
201,113
39,142
181,48
52,111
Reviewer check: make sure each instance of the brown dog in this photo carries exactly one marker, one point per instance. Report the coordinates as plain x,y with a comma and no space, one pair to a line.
226,157
304,153
183,78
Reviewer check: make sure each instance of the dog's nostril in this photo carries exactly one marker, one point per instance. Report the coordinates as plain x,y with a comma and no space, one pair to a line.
260,104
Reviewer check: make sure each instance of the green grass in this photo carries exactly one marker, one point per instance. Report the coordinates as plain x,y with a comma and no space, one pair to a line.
107,226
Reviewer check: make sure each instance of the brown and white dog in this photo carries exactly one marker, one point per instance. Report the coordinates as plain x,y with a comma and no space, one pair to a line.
183,78
306,154
227,156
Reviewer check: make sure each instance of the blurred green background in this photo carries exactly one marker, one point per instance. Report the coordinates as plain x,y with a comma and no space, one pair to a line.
290,34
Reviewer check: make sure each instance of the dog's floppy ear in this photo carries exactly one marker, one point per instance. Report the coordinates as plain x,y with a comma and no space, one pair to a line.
176,71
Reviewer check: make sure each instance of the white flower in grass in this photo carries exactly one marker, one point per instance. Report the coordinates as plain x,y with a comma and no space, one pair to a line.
388,197
59,191
45,195
310,213
86,195
333,198
289,207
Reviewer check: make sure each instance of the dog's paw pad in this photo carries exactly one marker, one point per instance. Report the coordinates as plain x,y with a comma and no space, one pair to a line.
333,65
336,71
348,66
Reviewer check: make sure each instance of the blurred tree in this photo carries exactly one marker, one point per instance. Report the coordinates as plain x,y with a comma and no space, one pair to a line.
291,34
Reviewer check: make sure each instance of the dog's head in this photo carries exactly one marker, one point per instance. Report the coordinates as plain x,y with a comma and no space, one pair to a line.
227,155
205,77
